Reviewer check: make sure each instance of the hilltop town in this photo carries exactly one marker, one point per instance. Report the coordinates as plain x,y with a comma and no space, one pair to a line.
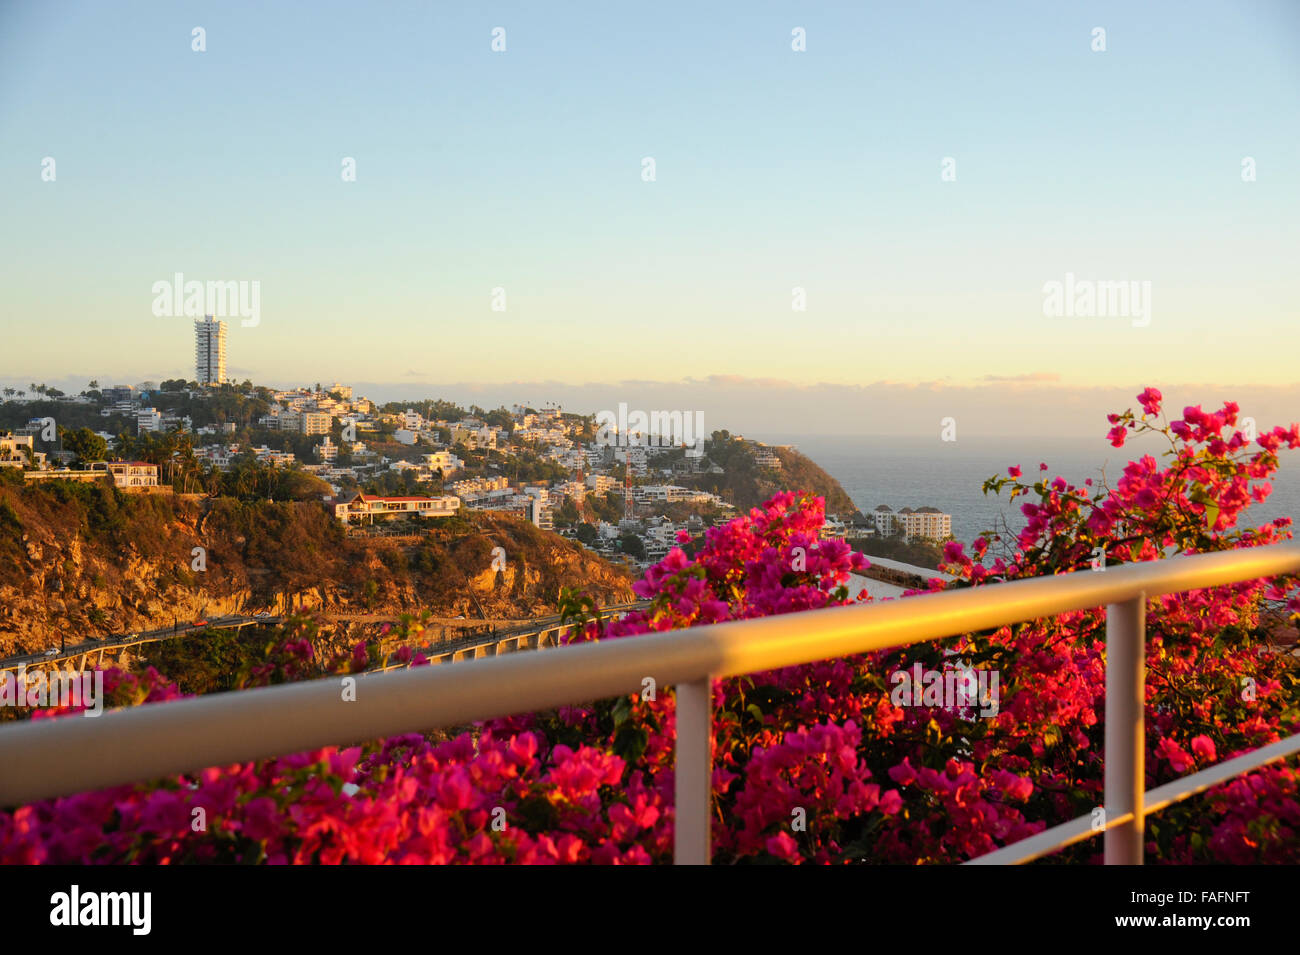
622,485
392,469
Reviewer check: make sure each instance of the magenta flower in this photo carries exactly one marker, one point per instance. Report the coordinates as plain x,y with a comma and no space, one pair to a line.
1150,401
783,846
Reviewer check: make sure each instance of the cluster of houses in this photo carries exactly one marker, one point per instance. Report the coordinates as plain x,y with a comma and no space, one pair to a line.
436,456
547,433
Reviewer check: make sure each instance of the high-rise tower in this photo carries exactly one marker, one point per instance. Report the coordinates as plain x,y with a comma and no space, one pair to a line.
209,351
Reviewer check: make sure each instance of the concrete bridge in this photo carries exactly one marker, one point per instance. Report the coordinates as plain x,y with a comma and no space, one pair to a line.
75,658
538,635
533,635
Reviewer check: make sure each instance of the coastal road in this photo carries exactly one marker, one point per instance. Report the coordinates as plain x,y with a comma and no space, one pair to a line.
119,641
489,630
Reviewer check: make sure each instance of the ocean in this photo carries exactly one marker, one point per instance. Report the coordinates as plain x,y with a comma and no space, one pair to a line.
916,472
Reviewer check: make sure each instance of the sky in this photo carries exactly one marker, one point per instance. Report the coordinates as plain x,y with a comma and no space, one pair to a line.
517,178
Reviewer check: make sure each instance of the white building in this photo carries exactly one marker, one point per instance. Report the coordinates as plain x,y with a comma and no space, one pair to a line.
275,459
928,522
209,351
218,456
471,487
474,435
671,494
572,490
315,422
366,507
834,529
129,473
11,451
443,461
635,455
148,419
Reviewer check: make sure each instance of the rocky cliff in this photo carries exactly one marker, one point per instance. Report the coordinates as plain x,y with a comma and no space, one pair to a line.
87,560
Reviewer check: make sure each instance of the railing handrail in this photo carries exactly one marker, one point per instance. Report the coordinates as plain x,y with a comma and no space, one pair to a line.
1084,827
64,756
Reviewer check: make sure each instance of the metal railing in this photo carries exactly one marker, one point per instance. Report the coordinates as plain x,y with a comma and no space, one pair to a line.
64,756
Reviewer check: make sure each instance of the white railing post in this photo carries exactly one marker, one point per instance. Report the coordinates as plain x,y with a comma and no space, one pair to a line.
1125,729
694,773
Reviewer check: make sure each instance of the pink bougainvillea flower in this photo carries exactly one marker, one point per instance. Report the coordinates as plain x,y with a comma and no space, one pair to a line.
1150,400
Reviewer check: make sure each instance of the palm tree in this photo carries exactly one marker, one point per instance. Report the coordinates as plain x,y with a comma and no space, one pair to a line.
211,479
184,449
244,479
167,454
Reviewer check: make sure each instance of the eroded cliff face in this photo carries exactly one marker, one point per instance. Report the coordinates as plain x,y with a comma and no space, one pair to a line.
95,562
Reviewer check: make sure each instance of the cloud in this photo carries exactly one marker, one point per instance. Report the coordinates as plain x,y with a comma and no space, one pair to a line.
1032,376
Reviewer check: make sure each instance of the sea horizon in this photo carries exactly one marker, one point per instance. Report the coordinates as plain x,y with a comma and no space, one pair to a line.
927,472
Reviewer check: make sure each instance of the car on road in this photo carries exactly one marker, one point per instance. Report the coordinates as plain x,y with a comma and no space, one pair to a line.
51,653
199,623
262,616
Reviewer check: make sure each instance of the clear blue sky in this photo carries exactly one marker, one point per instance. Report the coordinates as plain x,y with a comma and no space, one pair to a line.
775,169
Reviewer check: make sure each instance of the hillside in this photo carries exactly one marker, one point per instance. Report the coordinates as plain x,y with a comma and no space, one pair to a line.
747,485
86,559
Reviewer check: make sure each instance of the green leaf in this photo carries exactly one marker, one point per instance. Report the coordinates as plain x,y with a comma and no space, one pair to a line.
630,742
622,710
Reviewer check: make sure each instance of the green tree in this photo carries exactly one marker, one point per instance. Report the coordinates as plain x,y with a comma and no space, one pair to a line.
85,444
631,545
567,513
124,446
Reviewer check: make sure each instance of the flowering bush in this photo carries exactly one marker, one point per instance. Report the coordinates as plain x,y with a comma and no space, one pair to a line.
813,763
